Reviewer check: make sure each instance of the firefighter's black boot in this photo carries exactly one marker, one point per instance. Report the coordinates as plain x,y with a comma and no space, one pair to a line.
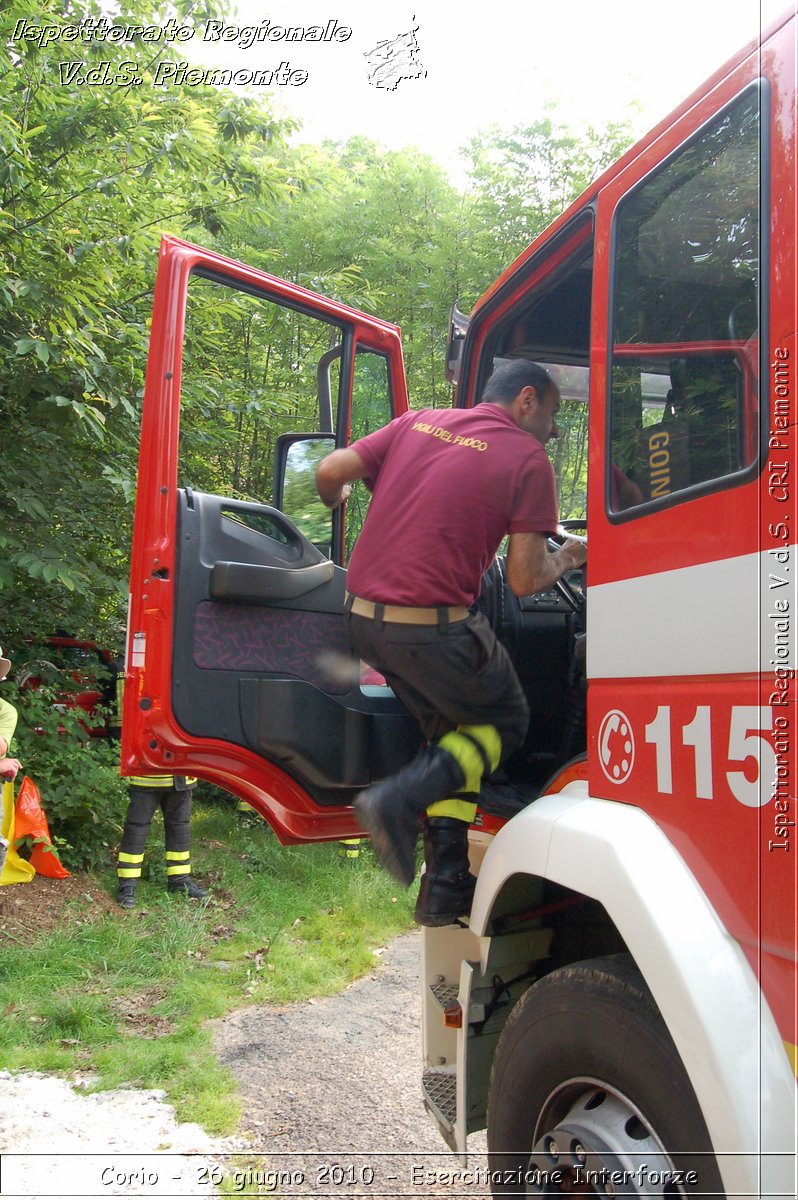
447,886
390,810
186,885
126,893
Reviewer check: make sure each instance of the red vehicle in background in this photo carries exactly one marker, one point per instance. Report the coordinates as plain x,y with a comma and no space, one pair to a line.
83,676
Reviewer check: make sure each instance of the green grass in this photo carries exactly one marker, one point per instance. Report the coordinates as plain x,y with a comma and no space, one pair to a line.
127,996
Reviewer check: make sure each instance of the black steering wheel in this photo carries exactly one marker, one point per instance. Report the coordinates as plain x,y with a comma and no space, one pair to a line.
575,600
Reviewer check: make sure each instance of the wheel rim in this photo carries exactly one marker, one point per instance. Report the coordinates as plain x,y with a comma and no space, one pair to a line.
591,1140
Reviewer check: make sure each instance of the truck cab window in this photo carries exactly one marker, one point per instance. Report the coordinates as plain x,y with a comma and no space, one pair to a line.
684,408
550,324
371,409
256,369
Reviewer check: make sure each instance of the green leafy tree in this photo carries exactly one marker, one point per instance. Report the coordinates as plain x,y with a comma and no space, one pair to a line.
521,179
82,793
89,177
376,229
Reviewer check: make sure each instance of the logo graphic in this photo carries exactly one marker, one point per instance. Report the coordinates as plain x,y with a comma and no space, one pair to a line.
395,59
616,746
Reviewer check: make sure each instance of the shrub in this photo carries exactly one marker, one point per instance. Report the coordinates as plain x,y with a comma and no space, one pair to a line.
83,796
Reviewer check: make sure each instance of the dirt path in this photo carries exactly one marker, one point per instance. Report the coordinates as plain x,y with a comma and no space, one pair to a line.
340,1077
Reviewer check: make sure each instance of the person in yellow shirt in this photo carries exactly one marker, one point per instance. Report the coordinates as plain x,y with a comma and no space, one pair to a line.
8,723
8,766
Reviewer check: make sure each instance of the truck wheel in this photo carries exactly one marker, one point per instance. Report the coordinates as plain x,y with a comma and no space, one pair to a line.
588,1095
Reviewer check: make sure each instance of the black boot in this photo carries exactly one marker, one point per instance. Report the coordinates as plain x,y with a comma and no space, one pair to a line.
390,810
447,887
186,885
126,893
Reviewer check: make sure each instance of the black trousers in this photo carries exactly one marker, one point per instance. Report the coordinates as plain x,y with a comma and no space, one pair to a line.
143,802
447,675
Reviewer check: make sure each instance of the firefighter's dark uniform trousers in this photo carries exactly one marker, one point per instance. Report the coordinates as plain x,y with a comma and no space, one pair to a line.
459,683
146,793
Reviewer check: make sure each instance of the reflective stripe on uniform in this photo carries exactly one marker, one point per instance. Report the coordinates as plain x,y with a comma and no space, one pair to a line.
476,749
177,862
134,863
158,781
461,810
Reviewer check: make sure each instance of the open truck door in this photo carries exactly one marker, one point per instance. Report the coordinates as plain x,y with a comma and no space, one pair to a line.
238,664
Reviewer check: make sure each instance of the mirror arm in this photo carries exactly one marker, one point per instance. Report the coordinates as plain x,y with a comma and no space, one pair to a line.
323,389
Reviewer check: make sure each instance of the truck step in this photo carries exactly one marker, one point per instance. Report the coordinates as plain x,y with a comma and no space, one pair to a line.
444,993
440,1095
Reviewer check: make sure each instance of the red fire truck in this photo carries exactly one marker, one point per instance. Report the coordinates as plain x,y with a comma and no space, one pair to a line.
620,1012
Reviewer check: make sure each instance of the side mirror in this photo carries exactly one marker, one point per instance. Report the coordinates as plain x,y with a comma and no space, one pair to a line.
458,327
296,459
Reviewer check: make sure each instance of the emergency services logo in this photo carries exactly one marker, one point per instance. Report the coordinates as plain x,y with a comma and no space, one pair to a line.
395,59
616,746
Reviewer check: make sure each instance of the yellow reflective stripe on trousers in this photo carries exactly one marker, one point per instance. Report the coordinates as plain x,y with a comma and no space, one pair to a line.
461,810
155,783
150,781
487,736
471,758
123,856
182,870
128,872
178,855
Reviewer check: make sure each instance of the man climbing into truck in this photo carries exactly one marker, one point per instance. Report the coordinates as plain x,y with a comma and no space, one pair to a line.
447,486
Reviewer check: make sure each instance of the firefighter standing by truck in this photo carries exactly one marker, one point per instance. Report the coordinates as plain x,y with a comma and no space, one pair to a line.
447,486
145,794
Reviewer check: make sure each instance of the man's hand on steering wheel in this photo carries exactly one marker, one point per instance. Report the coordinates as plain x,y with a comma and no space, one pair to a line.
576,547
530,568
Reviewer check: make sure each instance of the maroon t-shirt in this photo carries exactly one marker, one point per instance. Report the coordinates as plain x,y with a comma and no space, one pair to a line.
447,486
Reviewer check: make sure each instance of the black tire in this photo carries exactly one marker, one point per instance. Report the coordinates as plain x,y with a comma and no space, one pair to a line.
587,1081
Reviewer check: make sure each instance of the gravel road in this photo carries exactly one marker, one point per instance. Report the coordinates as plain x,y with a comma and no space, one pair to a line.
332,1106
341,1077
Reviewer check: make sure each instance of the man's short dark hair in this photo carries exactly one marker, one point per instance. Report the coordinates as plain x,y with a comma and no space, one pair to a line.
507,380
